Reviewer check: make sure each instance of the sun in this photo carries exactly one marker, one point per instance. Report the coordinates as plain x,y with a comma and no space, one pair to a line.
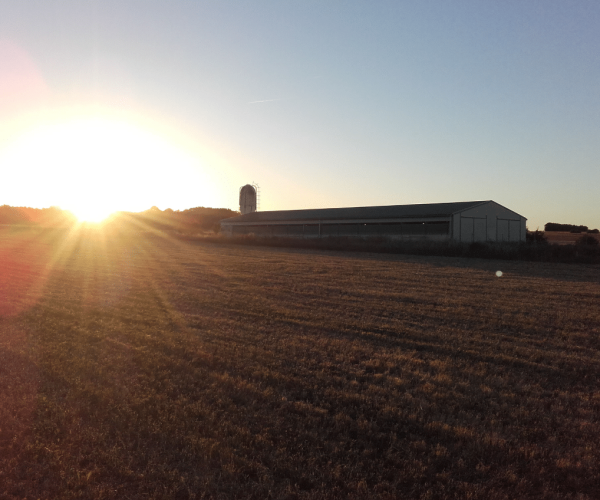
92,214
94,166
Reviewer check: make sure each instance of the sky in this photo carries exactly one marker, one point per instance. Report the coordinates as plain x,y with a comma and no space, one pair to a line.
127,104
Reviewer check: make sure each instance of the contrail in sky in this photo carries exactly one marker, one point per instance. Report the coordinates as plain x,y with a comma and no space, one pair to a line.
266,100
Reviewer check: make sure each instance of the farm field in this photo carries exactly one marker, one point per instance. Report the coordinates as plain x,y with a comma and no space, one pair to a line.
146,367
566,238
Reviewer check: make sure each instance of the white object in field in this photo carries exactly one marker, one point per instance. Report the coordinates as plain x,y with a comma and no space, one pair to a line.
498,273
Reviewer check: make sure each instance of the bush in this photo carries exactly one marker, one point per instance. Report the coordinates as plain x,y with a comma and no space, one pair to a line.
478,249
587,240
536,236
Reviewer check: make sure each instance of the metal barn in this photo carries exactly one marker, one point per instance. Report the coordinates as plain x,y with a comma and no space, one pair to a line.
468,221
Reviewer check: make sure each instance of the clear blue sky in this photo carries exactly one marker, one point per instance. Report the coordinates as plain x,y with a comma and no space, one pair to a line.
323,104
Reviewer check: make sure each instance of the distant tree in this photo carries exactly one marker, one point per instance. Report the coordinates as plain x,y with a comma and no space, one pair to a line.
553,226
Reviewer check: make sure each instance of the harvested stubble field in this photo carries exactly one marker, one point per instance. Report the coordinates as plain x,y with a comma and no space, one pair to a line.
566,238
145,367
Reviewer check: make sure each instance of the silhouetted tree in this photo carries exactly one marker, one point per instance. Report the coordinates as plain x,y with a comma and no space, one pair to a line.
553,226
536,236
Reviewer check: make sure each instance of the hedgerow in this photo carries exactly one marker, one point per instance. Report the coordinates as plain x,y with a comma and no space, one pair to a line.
536,250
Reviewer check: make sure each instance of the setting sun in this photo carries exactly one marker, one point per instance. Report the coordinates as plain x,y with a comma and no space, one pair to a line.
96,166
91,214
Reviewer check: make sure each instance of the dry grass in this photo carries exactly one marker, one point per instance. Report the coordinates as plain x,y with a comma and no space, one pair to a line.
144,367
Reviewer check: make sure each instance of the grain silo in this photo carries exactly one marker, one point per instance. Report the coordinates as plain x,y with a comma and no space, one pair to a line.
248,199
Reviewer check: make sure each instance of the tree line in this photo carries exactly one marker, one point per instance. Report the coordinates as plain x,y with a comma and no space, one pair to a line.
195,219
52,217
184,221
572,228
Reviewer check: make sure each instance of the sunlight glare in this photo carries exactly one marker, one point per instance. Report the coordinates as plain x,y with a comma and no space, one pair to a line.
96,166
91,214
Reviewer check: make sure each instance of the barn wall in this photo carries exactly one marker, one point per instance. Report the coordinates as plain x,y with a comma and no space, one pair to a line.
431,230
488,222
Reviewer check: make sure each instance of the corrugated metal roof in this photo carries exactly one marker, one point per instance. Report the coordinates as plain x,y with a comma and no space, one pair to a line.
387,212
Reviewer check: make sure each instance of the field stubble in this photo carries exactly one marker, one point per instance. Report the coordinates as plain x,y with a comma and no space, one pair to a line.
146,367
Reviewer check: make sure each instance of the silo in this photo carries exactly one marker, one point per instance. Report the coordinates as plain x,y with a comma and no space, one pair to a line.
247,199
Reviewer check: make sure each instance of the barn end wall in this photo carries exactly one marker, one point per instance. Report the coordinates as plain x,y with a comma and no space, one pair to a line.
488,222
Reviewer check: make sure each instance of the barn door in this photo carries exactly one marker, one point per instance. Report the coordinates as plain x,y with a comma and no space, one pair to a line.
466,229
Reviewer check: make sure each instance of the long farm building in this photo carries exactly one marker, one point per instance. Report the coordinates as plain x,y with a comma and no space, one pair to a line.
469,221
